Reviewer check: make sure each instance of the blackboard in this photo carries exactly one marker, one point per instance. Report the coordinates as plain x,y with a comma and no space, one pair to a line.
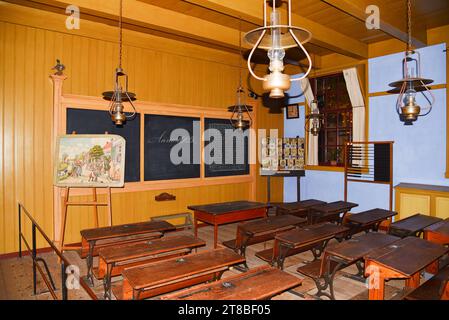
234,166
159,145
84,121
382,162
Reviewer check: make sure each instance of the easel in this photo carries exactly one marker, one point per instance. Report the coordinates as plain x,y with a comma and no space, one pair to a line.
94,203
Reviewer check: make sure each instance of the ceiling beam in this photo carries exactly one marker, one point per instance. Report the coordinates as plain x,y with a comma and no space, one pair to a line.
146,18
357,11
252,11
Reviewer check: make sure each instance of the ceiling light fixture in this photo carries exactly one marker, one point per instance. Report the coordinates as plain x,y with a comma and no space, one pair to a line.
120,95
412,82
282,37
241,107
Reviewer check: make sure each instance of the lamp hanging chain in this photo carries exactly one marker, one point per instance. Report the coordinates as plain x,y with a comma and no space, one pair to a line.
120,34
409,25
240,52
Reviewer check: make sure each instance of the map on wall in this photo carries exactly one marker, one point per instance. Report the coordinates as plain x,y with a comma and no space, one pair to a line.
86,160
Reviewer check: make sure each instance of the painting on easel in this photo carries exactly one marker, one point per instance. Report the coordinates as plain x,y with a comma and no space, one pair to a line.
86,160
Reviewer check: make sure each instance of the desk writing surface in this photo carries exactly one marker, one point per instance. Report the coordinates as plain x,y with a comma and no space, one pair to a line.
301,205
158,273
227,207
337,206
371,216
439,227
312,233
255,284
357,247
271,224
414,223
126,229
408,256
153,247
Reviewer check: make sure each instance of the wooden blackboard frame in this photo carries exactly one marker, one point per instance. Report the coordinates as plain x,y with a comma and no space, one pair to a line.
95,103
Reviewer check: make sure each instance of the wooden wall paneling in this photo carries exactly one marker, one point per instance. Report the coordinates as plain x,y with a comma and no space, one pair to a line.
2,108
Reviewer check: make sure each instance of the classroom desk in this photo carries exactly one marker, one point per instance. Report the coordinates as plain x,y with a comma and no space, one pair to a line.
262,230
344,254
314,238
176,273
404,259
94,239
227,212
368,220
437,233
256,284
413,225
330,212
299,209
113,260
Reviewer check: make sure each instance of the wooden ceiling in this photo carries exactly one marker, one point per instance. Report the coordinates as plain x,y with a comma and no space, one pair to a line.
336,25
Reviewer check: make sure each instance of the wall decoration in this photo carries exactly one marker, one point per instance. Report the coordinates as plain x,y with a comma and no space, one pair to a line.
292,111
89,161
282,154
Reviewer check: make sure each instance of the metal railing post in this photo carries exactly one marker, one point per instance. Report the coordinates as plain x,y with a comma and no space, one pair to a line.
20,231
34,259
63,281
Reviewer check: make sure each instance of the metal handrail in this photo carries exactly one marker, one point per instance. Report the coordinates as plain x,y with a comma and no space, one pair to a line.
36,267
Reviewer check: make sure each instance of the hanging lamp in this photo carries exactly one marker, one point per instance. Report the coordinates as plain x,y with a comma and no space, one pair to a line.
120,95
314,120
412,82
276,38
241,107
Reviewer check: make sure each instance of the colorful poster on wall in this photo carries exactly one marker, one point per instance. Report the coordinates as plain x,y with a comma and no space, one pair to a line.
86,160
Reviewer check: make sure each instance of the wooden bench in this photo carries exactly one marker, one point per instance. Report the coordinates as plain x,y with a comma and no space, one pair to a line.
330,212
340,256
412,226
262,230
92,240
368,220
436,288
187,216
113,260
176,273
299,209
256,284
314,238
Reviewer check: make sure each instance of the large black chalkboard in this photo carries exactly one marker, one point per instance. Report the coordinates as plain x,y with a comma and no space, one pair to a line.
159,145
98,122
234,165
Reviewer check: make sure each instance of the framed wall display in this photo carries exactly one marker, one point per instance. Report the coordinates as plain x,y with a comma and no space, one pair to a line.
91,161
292,111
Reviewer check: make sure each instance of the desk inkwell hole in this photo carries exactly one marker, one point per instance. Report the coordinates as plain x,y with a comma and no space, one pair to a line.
227,285
181,260
393,246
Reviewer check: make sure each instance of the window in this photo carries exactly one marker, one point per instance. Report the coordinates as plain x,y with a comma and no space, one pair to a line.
335,105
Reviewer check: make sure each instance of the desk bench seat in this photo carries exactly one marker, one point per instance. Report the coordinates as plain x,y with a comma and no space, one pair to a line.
436,288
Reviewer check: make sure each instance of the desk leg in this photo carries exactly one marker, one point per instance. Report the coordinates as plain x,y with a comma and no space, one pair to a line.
377,292
107,281
413,281
215,235
90,262
195,225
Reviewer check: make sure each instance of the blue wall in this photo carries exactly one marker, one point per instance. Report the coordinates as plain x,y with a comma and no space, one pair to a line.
419,150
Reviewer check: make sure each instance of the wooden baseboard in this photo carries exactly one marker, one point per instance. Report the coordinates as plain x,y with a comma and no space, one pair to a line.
26,252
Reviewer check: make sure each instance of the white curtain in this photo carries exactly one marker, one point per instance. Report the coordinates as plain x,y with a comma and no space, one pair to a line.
358,104
312,146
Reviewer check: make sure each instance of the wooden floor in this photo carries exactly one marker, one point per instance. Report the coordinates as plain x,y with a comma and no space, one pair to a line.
16,274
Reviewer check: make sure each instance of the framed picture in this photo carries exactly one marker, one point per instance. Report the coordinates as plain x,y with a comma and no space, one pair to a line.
85,160
293,111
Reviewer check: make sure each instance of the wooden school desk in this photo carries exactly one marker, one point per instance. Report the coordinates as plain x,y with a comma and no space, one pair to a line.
404,259
227,212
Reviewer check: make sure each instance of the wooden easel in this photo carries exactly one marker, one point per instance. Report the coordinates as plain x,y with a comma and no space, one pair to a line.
94,203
